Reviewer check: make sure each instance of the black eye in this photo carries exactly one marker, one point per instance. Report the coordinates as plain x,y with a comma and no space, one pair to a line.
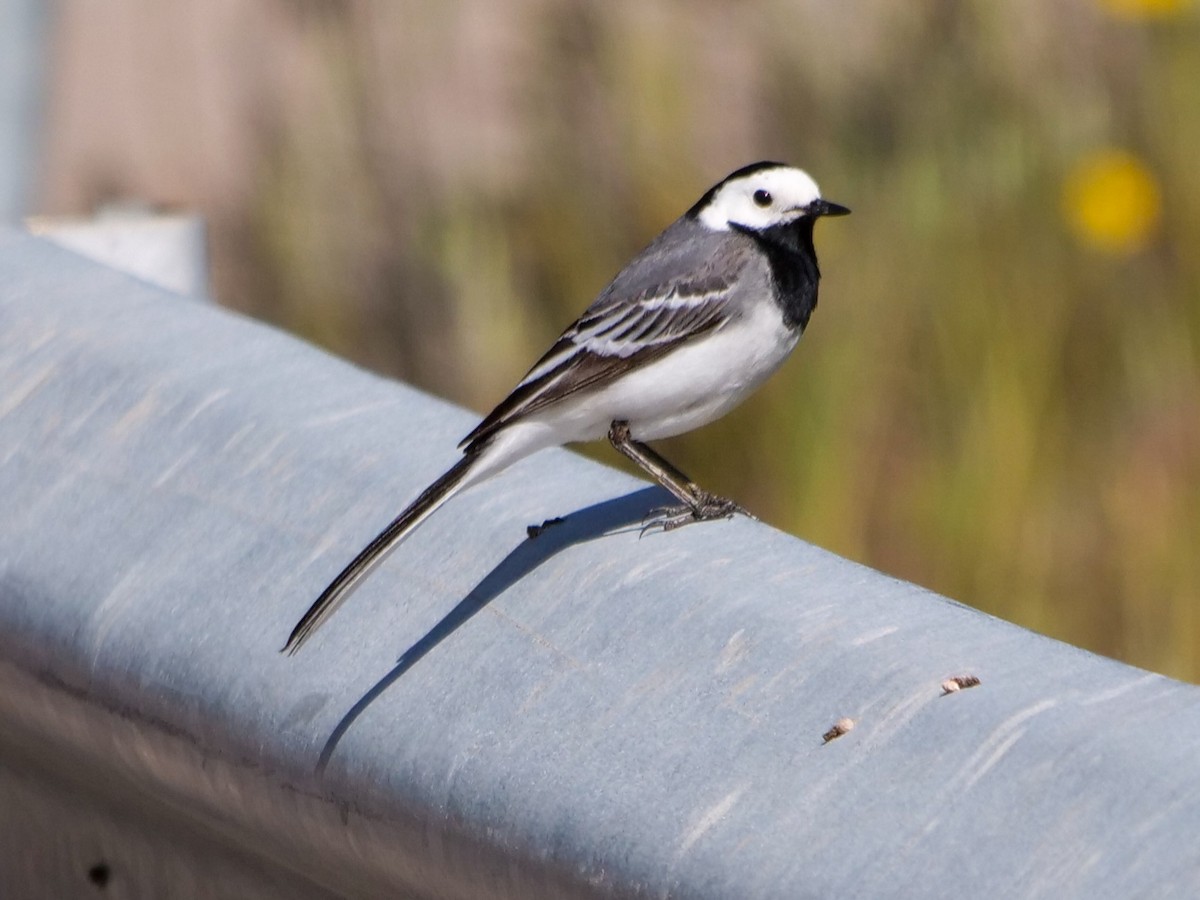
762,198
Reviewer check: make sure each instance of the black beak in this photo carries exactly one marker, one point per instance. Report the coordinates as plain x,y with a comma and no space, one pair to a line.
825,208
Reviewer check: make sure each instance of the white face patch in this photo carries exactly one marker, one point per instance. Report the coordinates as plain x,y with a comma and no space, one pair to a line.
761,199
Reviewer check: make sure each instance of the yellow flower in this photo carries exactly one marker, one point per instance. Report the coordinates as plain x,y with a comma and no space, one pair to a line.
1144,9
1112,201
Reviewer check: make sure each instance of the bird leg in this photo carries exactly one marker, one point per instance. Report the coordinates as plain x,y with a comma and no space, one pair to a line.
698,504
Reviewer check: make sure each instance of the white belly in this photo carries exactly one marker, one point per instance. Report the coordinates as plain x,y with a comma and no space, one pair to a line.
689,387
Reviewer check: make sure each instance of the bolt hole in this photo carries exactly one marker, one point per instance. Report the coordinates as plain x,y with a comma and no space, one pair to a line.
99,874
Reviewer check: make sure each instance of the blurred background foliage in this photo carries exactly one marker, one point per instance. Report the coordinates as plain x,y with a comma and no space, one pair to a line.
999,396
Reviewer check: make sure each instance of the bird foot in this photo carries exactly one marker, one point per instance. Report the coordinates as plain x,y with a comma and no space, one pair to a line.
707,507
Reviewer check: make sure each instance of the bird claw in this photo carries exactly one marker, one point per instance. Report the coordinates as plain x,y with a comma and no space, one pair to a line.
708,506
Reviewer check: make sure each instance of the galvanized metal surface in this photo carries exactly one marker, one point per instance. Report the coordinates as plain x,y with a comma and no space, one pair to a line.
167,249
583,714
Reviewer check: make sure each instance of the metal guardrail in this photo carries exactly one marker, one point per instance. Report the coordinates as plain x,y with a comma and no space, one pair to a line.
583,714
167,249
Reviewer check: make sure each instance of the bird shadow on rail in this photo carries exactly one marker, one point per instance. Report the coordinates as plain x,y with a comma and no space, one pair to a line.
579,527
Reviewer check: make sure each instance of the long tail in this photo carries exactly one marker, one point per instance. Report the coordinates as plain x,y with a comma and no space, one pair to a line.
387,540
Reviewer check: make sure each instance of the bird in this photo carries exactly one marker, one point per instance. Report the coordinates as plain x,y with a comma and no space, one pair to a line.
686,330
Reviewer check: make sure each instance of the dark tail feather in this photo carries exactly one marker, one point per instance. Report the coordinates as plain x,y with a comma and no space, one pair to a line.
387,540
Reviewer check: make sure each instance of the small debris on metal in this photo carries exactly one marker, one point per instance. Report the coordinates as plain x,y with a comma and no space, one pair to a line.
959,683
840,727
535,530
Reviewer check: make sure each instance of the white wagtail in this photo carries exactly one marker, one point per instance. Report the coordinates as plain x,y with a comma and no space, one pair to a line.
680,337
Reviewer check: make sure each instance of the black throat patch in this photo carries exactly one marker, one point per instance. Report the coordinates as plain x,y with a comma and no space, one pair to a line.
793,260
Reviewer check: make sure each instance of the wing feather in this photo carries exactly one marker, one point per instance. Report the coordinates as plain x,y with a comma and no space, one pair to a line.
657,303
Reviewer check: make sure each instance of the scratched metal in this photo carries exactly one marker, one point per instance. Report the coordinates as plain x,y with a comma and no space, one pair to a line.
583,714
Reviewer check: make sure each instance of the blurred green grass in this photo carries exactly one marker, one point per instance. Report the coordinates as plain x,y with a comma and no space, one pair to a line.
991,400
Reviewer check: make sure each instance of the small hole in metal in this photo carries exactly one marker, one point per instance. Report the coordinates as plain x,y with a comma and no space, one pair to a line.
99,874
